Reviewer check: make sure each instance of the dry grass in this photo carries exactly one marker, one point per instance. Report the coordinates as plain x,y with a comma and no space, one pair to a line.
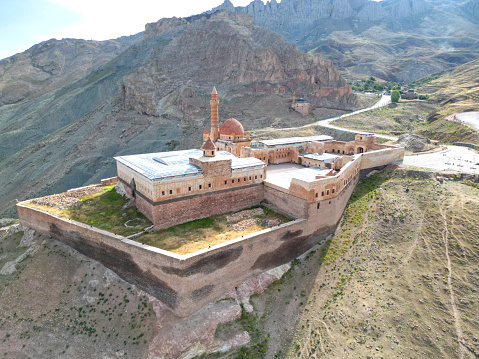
102,210
203,233
399,278
456,91
392,120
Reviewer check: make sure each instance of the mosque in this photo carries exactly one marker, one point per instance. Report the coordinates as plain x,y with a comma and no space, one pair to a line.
232,172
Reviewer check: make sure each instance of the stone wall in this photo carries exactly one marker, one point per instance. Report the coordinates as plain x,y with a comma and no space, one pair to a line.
185,283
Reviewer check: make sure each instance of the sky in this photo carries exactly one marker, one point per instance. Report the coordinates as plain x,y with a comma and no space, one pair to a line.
24,23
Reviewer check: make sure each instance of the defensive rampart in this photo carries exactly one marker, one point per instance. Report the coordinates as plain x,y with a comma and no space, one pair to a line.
185,283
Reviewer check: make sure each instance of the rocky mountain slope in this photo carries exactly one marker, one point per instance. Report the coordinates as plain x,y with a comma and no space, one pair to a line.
53,64
398,40
80,111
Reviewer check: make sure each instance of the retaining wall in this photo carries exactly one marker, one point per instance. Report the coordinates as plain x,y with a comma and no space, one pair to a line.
470,145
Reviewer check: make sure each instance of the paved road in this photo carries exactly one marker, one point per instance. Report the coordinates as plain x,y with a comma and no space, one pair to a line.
454,158
385,100
471,118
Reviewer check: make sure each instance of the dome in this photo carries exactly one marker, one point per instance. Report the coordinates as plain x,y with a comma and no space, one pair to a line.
232,126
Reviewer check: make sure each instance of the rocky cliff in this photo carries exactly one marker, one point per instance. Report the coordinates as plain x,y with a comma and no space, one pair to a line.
225,50
376,38
290,15
84,107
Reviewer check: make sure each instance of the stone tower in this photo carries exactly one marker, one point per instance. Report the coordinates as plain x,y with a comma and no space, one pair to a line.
215,128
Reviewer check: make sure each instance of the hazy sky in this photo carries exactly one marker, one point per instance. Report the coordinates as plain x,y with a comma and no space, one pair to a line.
24,23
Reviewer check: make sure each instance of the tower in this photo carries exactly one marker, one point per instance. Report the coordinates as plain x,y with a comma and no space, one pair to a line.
215,128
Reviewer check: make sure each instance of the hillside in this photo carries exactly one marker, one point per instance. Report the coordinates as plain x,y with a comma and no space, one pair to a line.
457,90
397,279
396,40
53,64
151,94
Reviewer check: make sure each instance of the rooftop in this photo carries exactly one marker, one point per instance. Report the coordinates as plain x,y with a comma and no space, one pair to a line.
283,179
167,165
324,157
295,140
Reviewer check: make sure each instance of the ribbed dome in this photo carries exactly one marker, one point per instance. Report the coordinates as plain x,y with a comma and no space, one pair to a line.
232,126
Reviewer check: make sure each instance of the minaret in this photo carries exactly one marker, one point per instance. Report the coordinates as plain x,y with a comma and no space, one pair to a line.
215,128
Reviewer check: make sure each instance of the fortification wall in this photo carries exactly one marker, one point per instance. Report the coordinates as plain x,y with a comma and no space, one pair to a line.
381,157
180,210
286,202
184,283
169,213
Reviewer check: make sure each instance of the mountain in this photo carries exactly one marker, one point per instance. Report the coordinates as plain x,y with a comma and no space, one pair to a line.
53,64
397,40
67,107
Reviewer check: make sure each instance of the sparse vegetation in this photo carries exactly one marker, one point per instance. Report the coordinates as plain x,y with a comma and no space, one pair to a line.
202,233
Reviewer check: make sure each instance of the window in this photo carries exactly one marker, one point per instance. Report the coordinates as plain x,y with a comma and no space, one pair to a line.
327,192
250,178
255,177
189,189
162,193
226,182
209,185
322,194
232,181
316,195
171,191
333,190
245,179
201,186
317,206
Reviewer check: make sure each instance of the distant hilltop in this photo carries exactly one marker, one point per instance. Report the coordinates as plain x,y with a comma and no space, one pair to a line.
289,15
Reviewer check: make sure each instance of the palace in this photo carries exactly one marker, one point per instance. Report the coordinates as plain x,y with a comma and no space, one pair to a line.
229,173
309,179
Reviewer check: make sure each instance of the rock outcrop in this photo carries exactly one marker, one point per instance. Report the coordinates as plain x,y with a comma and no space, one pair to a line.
291,15
225,50
414,143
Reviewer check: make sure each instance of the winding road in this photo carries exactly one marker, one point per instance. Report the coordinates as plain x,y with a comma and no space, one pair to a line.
453,158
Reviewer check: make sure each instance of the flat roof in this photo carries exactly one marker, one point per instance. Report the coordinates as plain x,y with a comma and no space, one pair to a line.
283,179
163,165
324,157
295,140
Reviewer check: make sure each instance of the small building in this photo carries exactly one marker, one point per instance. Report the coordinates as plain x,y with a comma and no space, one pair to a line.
301,105
410,95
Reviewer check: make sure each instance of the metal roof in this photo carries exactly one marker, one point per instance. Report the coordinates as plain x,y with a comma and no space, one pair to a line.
163,165
295,140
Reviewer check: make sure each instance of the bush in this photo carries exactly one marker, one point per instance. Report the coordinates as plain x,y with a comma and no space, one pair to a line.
424,97
395,96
